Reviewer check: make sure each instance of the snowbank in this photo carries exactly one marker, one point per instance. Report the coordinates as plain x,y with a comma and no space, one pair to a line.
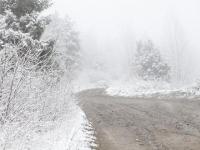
73,133
137,88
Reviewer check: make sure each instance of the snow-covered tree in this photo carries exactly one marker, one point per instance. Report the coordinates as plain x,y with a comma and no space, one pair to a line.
67,45
21,51
21,26
149,63
33,58
23,15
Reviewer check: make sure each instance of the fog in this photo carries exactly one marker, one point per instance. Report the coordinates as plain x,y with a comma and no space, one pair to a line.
109,30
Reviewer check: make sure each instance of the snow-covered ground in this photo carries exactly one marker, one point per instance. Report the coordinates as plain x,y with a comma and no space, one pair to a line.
73,132
139,88
135,88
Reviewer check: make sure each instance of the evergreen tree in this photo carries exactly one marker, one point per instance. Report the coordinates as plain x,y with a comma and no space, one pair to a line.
149,63
23,15
21,28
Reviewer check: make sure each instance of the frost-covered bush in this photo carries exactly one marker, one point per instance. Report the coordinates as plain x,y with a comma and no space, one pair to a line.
149,63
37,108
33,89
29,100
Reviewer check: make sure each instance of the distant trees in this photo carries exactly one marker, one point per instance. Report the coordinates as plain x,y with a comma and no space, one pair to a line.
180,57
149,63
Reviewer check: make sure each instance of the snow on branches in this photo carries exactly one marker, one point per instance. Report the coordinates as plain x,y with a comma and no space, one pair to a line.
149,63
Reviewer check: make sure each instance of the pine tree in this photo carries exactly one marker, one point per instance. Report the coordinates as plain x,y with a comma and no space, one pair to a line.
23,15
149,63
21,27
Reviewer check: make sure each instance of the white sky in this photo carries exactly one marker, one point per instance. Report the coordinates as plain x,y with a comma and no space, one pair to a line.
122,13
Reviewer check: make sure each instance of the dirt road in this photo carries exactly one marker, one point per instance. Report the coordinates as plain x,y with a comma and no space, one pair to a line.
142,124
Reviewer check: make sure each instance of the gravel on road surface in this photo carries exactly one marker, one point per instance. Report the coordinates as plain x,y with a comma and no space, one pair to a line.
142,124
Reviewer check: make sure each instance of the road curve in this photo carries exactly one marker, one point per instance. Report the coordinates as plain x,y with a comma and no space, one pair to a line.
142,124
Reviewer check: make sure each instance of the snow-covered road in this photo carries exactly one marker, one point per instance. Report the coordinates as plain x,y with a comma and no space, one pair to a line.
142,124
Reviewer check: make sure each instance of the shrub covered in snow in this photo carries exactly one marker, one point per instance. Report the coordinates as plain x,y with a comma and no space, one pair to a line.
34,93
